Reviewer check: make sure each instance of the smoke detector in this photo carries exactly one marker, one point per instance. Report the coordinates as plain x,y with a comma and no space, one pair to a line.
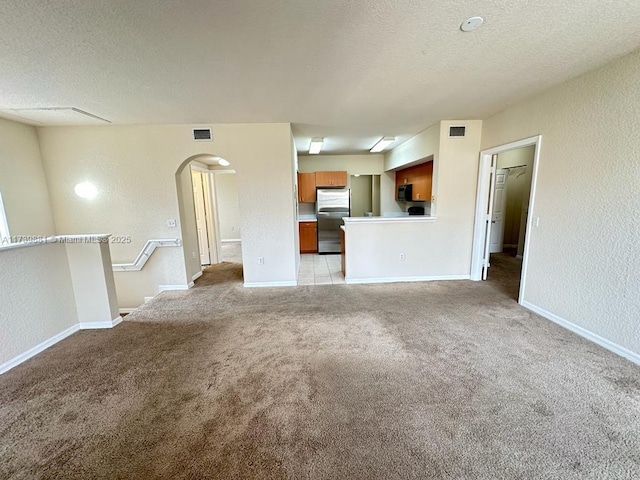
471,24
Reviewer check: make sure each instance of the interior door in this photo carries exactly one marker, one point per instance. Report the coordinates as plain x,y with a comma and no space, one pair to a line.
496,242
488,218
201,217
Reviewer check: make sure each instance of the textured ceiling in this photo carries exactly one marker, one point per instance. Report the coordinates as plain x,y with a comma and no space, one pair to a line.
350,71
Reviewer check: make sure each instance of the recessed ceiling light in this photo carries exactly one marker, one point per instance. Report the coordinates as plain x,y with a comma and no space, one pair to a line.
316,145
223,162
382,144
470,24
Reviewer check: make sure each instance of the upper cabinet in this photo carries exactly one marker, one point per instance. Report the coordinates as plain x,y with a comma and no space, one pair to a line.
307,187
331,179
421,177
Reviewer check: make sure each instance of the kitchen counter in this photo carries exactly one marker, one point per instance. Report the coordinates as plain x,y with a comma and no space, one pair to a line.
307,218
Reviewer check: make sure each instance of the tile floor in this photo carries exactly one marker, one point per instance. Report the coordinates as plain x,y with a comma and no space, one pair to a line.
320,270
314,269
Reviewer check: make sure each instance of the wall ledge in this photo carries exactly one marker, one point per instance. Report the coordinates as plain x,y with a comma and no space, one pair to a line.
404,219
35,240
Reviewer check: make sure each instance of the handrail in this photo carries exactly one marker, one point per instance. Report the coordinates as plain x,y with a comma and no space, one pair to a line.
146,252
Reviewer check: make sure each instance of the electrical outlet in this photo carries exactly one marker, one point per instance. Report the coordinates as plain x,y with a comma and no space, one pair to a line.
536,221
193,254
260,260
171,223
402,256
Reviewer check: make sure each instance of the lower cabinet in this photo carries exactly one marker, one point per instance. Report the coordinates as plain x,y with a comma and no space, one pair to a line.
308,237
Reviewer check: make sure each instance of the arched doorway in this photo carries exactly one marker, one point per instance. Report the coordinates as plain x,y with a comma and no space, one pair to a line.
201,208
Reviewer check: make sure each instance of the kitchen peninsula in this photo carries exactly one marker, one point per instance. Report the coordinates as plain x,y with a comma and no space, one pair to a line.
396,249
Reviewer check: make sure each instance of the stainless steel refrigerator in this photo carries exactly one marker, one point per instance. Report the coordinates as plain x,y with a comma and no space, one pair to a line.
331,205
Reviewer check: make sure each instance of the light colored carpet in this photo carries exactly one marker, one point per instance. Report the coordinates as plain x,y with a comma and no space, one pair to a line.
406,381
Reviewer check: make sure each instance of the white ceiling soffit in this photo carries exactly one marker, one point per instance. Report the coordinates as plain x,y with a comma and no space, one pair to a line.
55,116
359,70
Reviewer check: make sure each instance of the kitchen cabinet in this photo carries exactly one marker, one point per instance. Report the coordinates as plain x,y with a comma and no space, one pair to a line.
307,187
308,237
331,179
421,177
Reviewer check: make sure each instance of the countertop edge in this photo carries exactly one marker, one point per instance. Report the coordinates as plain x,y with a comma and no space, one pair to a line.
409,219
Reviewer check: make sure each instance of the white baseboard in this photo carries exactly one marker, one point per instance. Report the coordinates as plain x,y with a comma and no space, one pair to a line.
583,332
270,284
164,288
231,240
5,367
197,276
97,325
430,278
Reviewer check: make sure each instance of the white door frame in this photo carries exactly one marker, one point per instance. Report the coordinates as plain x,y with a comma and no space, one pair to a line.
481,232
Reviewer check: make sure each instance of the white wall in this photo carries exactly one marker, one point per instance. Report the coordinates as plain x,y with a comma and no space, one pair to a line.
134,169
36,295
22,181
583,259
226,188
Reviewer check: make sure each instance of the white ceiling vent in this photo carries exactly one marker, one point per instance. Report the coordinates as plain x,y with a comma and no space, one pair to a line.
202,135
457,131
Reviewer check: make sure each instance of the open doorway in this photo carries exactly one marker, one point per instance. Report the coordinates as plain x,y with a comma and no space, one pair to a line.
225,192
505,198
365,195
201,208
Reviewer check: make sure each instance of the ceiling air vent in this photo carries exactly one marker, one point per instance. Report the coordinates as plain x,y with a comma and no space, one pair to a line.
202,134
457,131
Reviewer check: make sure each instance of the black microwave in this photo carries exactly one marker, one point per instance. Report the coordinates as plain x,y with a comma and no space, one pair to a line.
404,192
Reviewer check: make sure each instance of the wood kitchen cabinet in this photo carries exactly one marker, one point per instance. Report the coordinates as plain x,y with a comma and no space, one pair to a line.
421,177
308,237
307,187
331,179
